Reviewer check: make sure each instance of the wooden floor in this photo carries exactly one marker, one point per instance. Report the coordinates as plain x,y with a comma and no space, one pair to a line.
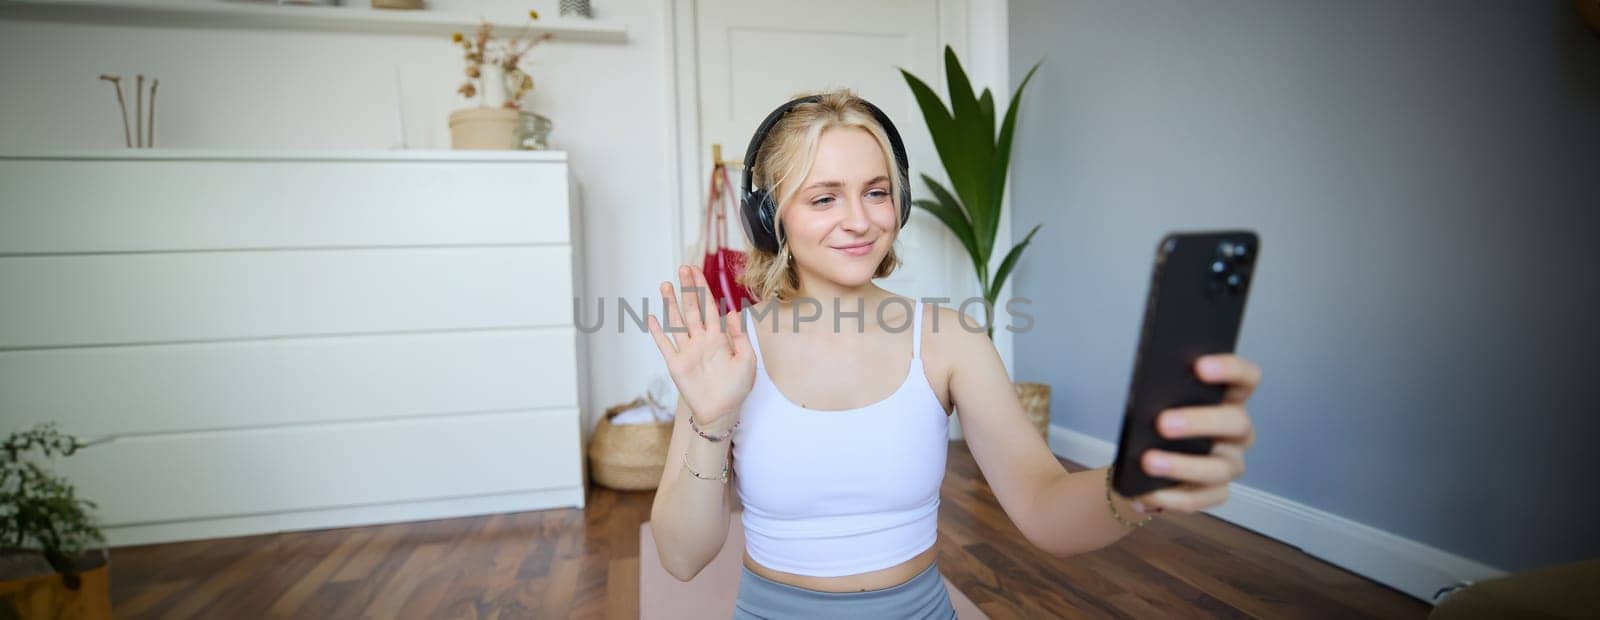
571,563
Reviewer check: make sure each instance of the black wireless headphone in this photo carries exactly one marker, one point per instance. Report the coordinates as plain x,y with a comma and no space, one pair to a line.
756,207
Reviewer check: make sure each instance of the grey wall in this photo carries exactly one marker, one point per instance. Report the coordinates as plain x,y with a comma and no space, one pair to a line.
1425,177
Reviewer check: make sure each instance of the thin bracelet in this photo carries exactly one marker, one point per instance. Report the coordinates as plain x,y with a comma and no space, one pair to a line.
713,438
1109,506
722,477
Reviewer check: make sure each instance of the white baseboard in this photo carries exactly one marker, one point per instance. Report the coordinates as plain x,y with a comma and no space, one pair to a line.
348,516
1400,563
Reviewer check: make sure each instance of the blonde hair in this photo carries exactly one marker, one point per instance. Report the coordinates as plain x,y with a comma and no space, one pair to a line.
784,161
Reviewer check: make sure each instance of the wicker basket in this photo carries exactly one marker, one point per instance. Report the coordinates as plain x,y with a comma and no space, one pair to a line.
628,457
1035,399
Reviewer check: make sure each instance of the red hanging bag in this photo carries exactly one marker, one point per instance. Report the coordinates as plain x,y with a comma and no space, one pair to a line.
722,264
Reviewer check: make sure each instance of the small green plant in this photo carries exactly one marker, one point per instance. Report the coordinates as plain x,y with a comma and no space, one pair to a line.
976,161
38,510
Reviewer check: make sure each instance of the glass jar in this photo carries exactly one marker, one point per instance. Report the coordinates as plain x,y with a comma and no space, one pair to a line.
533,131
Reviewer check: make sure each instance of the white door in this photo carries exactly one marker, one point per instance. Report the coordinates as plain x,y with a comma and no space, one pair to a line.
749,56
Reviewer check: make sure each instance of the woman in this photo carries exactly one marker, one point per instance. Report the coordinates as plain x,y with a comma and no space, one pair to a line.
835,422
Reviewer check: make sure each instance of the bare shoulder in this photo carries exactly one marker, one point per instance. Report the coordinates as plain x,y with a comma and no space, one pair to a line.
763,315
952,339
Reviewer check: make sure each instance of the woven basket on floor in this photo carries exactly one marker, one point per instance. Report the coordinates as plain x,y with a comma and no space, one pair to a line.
628,457
1035,399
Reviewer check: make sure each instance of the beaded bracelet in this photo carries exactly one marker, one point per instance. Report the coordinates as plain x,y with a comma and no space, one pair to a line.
696,426
722,477
1110,506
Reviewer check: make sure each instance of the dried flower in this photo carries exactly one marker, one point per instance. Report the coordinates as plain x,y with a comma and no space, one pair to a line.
484,31
482,48
116,80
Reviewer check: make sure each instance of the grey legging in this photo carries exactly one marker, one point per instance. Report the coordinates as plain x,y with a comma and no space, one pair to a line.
921,597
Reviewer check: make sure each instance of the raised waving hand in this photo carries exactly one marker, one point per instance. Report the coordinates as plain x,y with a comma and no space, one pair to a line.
708,355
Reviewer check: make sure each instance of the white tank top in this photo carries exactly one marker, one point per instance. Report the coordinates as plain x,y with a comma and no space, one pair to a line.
833,493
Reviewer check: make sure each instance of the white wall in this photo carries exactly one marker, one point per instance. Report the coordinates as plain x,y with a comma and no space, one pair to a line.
1423,176
241,89
276,89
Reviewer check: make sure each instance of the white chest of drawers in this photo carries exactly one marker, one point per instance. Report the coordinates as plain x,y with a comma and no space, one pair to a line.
273,341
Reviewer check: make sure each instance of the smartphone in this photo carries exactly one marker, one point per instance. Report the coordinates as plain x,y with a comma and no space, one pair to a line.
1198,287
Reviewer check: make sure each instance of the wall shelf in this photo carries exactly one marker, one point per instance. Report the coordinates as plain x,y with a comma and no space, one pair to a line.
263,15
324,155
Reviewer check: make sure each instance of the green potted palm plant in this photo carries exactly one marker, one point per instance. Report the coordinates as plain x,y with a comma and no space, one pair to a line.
976,159
53,559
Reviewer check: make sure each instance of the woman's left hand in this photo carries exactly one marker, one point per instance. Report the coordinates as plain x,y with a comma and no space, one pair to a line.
1204,478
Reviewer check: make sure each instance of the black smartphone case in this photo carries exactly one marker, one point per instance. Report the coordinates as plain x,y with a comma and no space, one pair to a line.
1196,301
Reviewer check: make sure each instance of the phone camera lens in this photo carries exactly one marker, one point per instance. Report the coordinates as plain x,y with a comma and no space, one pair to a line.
1235,281
1218,266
